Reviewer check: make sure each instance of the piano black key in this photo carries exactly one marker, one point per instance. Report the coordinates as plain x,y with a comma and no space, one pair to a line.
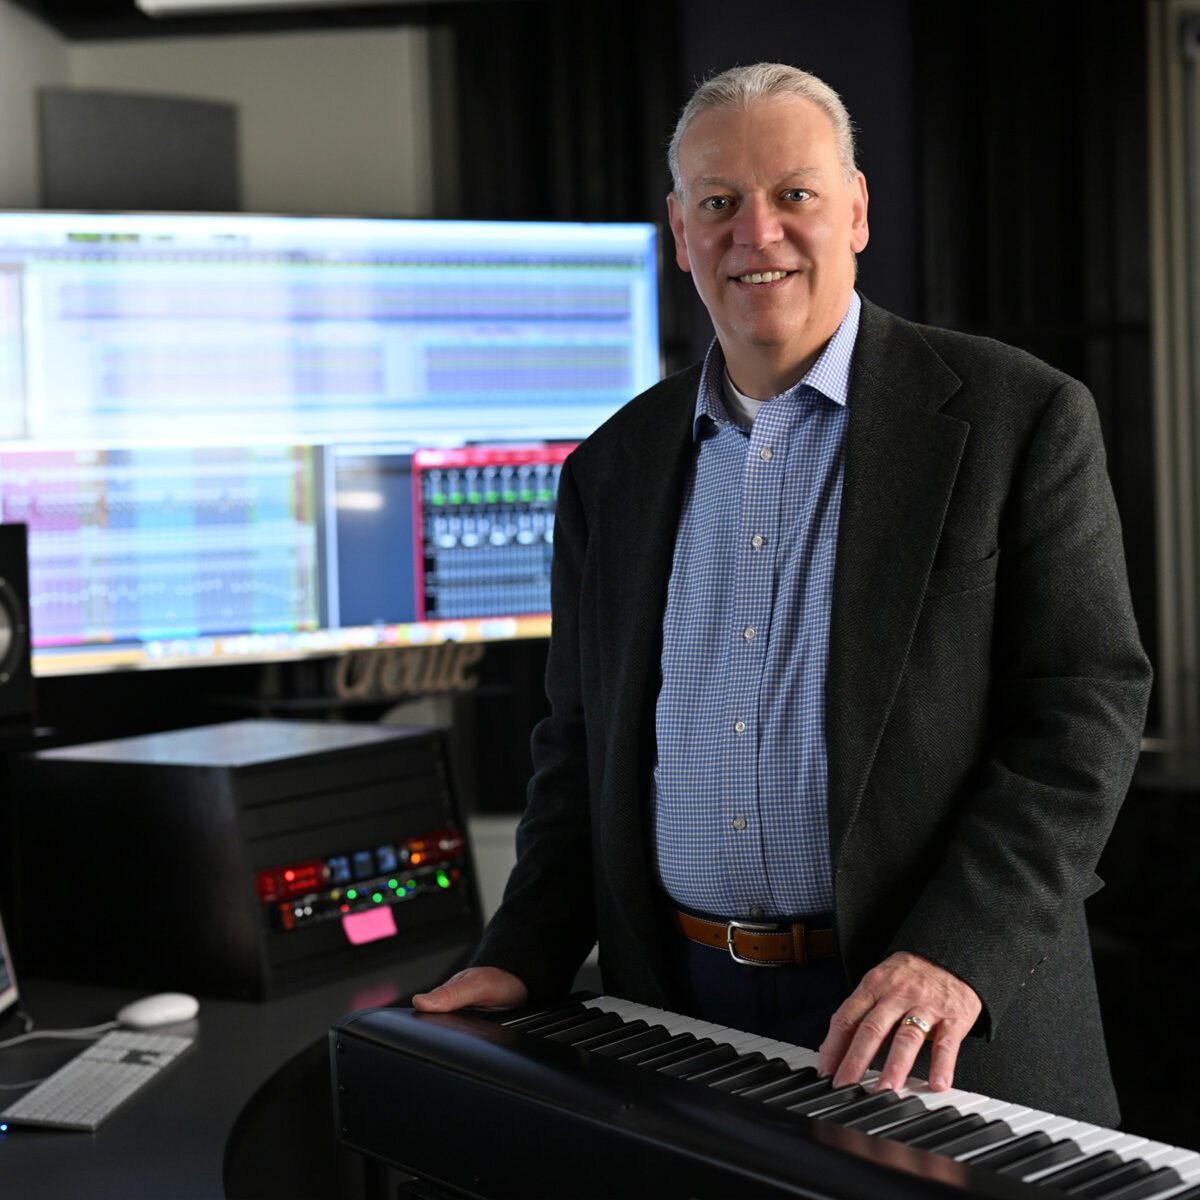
833,1098
1128,1172
947,1133
1192,1193
793,1079
871,1104
1059,1152
718,1056
696,1046
987,1134
751,1077
550,1027
922,1123
638,1057
734,1069
797,1093
546,1016
621,1033
1018,1148
879,1122
604,1023
1145,1188
1082,1171
654,1036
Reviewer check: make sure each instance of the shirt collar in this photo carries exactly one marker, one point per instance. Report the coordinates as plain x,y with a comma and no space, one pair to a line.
829,375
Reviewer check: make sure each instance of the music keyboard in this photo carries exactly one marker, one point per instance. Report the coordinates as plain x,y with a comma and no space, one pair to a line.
600,1096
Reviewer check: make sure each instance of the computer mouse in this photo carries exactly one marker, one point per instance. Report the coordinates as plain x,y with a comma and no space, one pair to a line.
164,1008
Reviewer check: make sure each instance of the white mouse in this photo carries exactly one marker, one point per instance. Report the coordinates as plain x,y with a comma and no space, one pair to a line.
165,1008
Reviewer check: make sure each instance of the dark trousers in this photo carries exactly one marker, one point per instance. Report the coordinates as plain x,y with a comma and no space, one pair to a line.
790,1003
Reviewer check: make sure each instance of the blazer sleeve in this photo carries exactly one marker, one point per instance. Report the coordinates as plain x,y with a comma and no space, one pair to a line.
1069,689
545,925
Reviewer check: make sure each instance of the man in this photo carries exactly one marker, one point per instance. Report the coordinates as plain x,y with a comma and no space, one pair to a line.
844,670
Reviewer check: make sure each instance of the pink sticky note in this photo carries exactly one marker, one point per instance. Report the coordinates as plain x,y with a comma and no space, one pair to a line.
369,926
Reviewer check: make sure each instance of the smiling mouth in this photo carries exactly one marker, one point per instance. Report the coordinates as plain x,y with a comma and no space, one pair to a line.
763,277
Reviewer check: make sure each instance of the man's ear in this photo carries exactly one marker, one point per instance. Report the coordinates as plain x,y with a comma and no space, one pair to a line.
860,232
675,219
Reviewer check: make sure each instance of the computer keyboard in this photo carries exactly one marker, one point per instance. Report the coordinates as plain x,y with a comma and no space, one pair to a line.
83,1092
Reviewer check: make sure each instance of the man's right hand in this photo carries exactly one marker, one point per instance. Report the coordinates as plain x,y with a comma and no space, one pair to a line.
476,987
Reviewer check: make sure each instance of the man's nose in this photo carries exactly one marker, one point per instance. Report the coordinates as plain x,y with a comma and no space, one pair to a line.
758,223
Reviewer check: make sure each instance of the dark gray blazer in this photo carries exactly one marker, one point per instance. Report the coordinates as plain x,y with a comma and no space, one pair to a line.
985,696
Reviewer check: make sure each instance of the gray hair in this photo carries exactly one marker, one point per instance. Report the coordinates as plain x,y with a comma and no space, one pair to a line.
739,87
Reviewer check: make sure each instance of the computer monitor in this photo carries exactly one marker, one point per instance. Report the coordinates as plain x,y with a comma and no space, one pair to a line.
238,437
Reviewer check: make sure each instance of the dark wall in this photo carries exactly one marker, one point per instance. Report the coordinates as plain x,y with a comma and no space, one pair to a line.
865,50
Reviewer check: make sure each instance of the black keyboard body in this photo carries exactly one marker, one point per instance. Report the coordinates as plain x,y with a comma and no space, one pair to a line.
484,1110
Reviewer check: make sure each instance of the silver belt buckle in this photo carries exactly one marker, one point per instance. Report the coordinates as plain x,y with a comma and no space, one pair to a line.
751,927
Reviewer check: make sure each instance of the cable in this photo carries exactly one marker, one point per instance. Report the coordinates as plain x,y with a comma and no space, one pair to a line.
17,1087
89,1033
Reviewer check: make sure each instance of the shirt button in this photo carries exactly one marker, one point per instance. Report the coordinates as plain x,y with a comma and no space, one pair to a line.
739,823
739,727
748,633
766,454
757,911
758,541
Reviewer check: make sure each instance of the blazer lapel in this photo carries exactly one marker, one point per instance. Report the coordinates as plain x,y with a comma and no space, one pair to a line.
636,542
902,458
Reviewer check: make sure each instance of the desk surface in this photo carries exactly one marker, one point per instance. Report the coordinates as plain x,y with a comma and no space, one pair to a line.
170,1140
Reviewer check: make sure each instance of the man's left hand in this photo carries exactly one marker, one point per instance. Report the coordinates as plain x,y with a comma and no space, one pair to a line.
902,985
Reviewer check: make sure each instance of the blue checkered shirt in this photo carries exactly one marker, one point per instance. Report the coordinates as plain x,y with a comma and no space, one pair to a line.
740,785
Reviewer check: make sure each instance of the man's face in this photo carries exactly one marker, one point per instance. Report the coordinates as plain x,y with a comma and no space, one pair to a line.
764,195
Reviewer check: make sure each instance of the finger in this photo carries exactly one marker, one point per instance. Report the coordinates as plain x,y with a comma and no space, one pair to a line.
842,1027
870,1035
476,987
906,1045
944,1058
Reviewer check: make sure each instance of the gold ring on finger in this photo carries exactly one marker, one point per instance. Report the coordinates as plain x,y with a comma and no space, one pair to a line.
918,1023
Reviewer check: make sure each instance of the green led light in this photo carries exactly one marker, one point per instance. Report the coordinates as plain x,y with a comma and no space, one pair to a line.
510,496
412,883
443,879
393,883
474,497
456,497
492,497
439,499
377,897
351,894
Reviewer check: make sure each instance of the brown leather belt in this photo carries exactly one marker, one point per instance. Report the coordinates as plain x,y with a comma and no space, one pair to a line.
760,943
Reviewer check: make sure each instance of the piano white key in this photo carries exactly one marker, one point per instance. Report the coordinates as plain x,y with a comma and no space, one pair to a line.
799,1058
613,1005
1181,1161
1000,1110
965,1102
1059,1128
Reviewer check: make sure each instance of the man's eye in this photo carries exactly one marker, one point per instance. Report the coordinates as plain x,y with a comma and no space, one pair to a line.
716,203
797,194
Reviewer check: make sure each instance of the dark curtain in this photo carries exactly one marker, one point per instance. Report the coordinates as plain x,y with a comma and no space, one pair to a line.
564,111
1035,175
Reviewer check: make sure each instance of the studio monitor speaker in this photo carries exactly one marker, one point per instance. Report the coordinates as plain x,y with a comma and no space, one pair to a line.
16,676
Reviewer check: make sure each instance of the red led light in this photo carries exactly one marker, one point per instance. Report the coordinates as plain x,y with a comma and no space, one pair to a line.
278,883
